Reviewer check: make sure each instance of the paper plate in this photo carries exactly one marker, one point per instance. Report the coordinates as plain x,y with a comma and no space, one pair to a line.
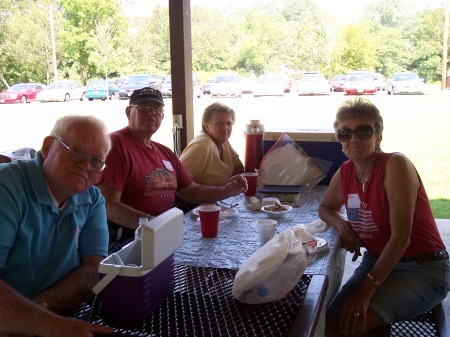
224,213
276,172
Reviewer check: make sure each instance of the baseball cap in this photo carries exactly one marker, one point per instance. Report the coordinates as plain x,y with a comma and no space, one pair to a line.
146,94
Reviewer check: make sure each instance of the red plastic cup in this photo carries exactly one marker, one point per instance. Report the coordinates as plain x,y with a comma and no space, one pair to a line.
209,220
252,179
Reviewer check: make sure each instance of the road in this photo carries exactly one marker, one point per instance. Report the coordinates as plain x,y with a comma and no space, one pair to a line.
413,124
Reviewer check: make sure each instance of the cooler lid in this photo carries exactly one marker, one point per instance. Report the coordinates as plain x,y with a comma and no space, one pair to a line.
161,237
312,135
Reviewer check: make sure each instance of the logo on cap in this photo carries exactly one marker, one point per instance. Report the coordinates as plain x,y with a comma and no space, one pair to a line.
146,94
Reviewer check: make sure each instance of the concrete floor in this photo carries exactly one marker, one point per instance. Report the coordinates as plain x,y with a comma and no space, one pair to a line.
444,229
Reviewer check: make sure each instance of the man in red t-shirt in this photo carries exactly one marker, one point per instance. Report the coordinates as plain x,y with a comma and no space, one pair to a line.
142,176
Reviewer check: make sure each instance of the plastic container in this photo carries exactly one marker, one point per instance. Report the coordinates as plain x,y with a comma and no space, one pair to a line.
138,278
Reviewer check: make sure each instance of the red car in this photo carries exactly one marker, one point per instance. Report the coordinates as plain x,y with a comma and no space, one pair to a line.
21,92
360,83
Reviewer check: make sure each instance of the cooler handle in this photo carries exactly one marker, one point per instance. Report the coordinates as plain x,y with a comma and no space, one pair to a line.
106,279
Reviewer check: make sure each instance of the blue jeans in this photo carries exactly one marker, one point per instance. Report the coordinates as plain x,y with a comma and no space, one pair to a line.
411,289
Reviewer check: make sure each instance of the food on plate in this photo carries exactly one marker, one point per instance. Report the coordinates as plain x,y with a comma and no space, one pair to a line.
276,208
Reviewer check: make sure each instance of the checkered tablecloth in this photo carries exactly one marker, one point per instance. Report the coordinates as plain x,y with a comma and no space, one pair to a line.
238,238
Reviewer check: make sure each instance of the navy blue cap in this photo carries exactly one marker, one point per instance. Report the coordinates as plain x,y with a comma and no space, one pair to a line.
146,94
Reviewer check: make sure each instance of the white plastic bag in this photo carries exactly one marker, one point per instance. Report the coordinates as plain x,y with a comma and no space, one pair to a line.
275,268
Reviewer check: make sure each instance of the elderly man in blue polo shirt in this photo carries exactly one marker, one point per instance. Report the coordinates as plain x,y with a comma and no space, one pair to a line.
53,231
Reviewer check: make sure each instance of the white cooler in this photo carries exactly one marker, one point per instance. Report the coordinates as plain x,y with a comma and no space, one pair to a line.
130,292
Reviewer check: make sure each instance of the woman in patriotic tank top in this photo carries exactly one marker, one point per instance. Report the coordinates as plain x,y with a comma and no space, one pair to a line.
405,268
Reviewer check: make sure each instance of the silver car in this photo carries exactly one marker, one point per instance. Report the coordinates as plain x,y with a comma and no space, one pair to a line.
226,85
406,83
61,91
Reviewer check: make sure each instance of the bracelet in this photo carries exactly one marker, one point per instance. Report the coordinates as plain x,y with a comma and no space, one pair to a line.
374,282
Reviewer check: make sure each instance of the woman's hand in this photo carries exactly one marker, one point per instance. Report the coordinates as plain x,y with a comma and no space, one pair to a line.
236,185
353,315
349,240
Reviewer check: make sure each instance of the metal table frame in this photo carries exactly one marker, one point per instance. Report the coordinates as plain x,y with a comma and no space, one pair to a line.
202,305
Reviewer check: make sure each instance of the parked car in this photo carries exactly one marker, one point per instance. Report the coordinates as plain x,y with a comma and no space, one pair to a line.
226,85
207,86
139,81
269,85
120,81
406,83
380,82
102,89
337,82
247,85
360,83
313,83
166,87
21,92
61,91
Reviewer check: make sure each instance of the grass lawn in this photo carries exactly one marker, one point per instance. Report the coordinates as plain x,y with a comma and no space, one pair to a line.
421,130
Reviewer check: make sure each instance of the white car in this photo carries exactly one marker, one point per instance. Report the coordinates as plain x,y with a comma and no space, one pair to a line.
61,91
269,85
226,85
406,83
380,82
313,84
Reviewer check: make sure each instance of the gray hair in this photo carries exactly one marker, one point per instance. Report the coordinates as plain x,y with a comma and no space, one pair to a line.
63,124
360,108
216,107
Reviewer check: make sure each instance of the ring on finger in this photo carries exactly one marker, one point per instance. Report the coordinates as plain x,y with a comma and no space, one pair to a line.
356,314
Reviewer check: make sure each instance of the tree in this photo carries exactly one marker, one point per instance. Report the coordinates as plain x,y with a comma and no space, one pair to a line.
105,49
148,43
424,32
392,52
354,53
387,13
259,46
81,18
27,56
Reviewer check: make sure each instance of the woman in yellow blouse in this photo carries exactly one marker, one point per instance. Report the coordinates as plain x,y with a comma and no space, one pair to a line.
209,158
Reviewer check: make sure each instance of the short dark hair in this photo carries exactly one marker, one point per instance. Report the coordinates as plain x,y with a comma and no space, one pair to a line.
216,107
359,108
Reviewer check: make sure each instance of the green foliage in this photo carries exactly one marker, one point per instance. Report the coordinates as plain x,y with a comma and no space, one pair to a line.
94,39
386,13
353,52
81,19
424,32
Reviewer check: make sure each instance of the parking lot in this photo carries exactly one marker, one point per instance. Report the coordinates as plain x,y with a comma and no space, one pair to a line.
413,124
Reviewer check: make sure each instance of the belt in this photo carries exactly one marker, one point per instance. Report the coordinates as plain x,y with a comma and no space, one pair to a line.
433,256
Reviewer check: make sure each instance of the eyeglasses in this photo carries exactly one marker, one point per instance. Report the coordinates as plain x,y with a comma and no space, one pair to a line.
362,132
148,108
220,124
77,156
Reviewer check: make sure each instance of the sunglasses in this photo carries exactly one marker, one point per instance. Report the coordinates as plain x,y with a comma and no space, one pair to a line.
362,132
